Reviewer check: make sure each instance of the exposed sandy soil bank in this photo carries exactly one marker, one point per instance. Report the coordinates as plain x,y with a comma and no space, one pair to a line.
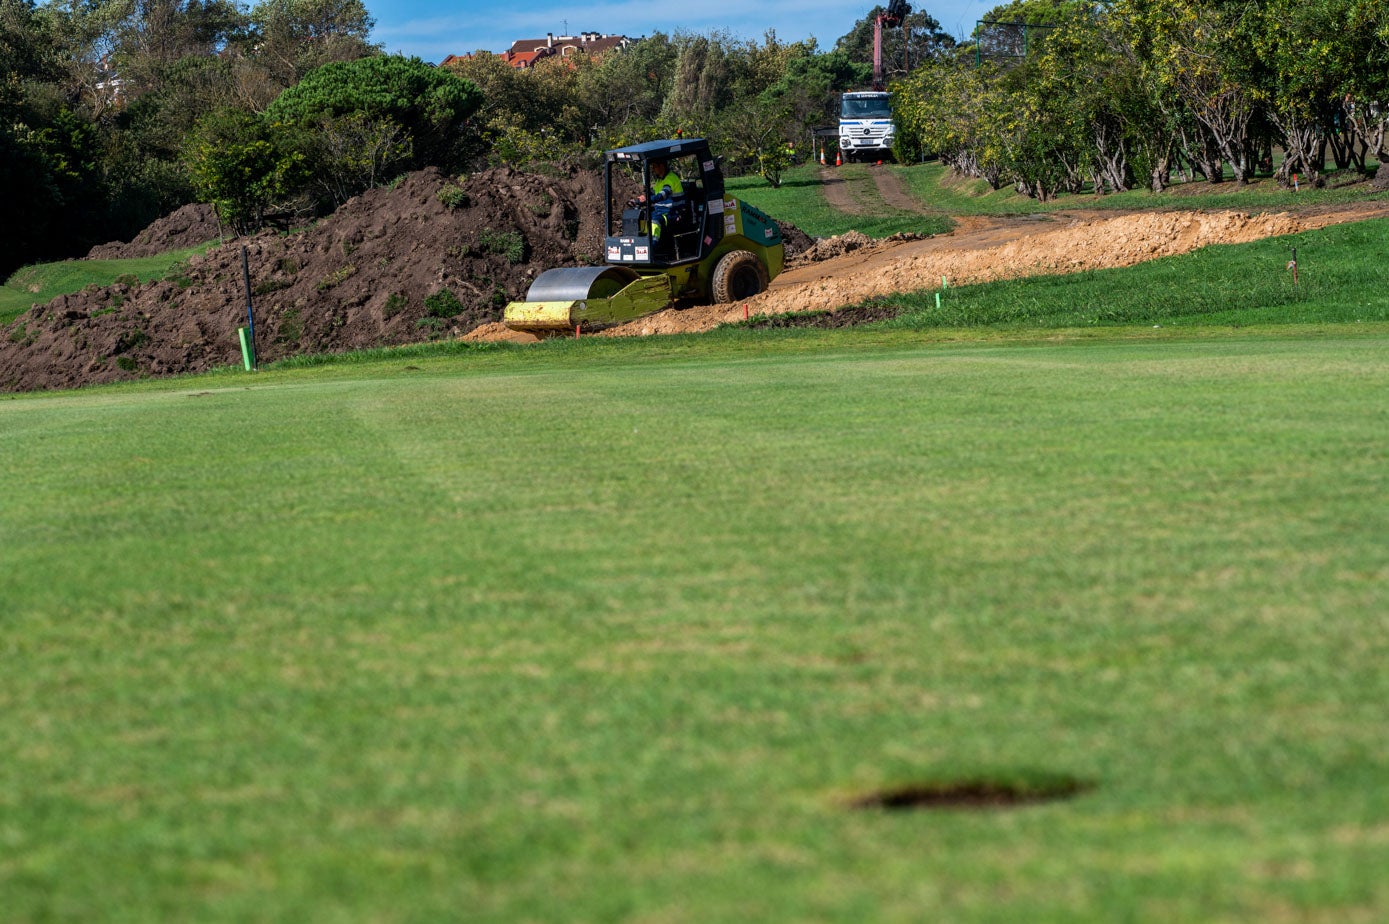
985,249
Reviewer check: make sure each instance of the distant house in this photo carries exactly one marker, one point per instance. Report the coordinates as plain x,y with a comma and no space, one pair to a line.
524,53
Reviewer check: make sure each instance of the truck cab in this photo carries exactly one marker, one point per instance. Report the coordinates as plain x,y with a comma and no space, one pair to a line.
866,131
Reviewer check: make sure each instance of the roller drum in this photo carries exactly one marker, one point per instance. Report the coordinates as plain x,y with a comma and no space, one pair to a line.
576,283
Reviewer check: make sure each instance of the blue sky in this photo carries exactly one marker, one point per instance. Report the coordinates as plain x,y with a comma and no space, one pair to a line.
432,29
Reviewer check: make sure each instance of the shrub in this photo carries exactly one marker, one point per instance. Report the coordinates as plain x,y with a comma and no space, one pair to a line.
333,278
429,105
453,197
244,165
443,304
509,244
129,340
395,304
266,286
291,326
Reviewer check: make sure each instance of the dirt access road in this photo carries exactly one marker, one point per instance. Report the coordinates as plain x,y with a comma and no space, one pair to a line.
846,270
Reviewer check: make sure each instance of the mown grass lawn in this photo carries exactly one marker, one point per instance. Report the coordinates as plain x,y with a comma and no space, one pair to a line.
801,200
618,630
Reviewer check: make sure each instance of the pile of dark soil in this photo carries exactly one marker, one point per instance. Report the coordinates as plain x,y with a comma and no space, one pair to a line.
795,240
187,227
433,257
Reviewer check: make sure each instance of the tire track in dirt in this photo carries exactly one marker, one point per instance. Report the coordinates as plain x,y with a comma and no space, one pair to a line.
895,193
837,193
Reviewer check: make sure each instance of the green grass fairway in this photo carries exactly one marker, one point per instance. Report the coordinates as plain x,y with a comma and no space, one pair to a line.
618,631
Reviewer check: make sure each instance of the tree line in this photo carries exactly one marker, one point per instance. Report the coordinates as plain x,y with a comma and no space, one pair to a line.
1129,93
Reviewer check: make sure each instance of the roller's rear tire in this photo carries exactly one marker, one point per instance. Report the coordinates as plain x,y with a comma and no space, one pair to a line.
739,274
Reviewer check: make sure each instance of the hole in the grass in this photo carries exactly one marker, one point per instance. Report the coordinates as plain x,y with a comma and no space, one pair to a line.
971,794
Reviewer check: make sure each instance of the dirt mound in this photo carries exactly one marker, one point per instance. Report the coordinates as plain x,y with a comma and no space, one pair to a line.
433,257
836,246
187,227
794,240
991,249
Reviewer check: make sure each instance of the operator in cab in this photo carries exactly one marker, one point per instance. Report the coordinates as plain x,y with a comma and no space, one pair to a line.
667,193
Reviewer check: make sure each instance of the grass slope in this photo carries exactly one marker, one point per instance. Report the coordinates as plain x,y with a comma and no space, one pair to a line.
801,200
42,282
1343,277
602,632
937,187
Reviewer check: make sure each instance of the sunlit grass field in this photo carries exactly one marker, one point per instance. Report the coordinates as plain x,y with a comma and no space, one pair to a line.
605,630
609,630
801,201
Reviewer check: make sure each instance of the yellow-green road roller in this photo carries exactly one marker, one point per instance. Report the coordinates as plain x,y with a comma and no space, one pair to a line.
681,237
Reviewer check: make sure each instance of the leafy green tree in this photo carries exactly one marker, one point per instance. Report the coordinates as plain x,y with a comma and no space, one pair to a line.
531,115
27,52
430,105
352,153
246,166
290,38
752,133
1297,80
153,37
955,110
705,74
1363,69
628,87
810,85
1189,49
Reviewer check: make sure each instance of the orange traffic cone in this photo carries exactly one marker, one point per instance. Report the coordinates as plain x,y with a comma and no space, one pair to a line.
838,161
822,157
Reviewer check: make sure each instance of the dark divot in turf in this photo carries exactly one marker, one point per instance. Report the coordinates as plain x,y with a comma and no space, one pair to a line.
970,795
844,317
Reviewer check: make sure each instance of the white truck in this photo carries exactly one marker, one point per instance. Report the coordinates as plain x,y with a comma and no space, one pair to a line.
865,125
